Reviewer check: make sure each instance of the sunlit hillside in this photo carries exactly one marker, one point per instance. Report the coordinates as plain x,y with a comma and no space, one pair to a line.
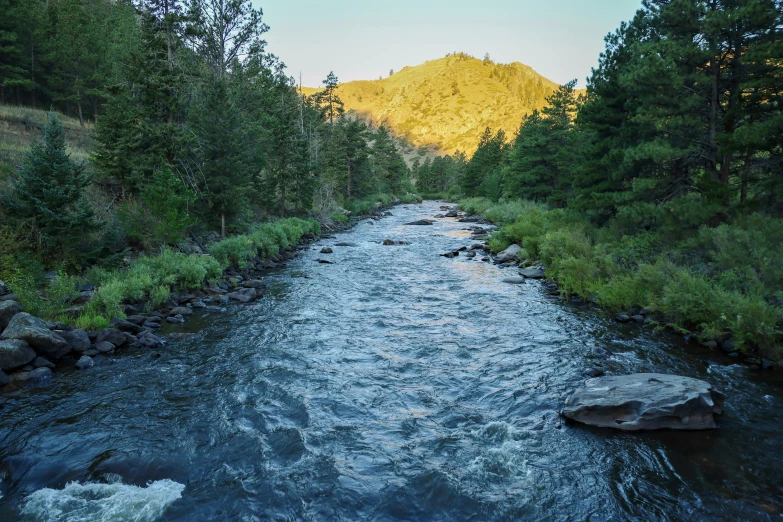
450,101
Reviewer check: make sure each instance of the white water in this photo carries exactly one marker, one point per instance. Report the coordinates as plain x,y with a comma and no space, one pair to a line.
95,502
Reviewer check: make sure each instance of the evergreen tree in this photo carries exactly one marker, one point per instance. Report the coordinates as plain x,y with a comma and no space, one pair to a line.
139,134
389,168
12,71
223,169
331,105
48,194
486,159
288,173
546,152
226,32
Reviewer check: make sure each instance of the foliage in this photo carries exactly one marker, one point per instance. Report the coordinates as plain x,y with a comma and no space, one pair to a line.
265,241
148,279
722,280
48,197
161,216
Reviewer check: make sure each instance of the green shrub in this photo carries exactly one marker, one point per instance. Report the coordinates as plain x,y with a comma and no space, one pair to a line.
236,251
410,198
161,216
151,278
509,212
641,287
91,320
475,206
265,241
339,217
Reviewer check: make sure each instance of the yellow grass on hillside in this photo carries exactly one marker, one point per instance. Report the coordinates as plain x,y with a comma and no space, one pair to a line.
21,126
450,101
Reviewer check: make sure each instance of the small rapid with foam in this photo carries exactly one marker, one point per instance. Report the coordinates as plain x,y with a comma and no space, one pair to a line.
96,502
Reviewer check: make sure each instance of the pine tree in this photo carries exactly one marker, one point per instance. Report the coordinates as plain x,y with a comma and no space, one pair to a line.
226,32
48,194
139,133
223,169
331,105
487,158
546,152
287,174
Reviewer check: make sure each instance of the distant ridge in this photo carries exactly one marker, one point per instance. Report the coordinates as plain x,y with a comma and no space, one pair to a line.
447,103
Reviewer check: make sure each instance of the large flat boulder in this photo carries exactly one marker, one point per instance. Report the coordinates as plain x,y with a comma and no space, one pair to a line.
645,401
421,222
37,334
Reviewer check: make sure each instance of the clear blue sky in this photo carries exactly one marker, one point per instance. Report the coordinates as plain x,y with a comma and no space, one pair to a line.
363,39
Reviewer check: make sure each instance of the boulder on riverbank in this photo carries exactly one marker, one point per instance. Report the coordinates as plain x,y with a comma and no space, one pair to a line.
532,273
512,253
15,353
37,334
77,338
645,401
8,309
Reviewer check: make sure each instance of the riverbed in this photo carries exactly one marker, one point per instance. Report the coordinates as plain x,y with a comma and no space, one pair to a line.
393,384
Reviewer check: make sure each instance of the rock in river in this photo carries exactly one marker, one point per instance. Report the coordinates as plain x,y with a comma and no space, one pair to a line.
420,222
514,280
85,362
645,401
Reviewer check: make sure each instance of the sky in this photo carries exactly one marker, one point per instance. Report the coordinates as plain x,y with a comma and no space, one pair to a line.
362,40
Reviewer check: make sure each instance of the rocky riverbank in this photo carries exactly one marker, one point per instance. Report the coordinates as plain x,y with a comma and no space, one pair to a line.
32,349
530,268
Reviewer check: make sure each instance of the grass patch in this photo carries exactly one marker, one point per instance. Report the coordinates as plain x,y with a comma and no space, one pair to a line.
267,240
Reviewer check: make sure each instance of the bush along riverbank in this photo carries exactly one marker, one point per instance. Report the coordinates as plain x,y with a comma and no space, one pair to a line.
83,320
722,286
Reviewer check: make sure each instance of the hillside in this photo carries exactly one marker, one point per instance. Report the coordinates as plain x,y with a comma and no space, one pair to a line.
450,101
21,126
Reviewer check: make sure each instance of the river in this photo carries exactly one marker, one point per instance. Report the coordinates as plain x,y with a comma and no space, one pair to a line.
394,384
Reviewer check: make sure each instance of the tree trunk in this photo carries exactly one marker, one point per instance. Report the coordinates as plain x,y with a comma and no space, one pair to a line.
32,71
79,106
223,225
349,180
169,55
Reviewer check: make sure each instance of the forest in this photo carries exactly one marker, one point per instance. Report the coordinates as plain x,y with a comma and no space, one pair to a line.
195,128
661,187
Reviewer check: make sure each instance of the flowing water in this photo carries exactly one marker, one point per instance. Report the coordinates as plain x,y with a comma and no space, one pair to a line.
393,384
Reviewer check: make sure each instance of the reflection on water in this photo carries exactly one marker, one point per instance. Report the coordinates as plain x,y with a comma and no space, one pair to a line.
394,384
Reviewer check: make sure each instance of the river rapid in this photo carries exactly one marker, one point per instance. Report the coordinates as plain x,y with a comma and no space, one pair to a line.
394,384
